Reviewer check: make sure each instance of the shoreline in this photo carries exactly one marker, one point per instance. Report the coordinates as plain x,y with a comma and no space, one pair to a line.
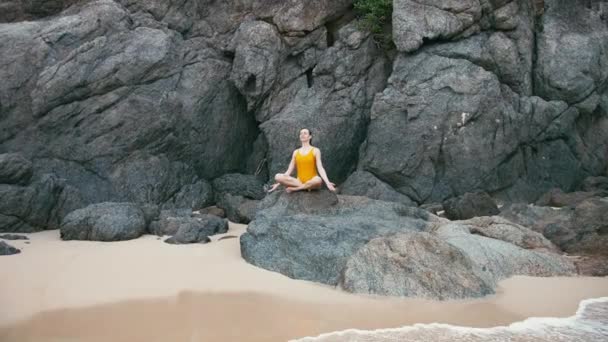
205,289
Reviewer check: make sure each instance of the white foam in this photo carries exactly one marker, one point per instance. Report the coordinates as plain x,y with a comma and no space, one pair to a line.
573,328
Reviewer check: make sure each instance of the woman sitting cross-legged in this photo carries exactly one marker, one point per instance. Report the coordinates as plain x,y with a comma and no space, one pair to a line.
307,161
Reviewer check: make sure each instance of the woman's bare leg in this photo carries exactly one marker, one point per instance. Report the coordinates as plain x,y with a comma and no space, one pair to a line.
314,183
282,179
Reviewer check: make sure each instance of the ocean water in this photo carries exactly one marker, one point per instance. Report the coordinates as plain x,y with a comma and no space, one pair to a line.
590,323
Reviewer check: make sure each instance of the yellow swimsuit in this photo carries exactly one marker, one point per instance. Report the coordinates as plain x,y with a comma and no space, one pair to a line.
306,166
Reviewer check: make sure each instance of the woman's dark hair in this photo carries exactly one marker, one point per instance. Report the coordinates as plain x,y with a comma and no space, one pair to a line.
309,132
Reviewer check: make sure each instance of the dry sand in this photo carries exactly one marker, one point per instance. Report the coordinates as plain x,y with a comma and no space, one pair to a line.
147,290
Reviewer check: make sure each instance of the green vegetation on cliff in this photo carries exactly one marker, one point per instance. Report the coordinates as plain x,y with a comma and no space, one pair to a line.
375,16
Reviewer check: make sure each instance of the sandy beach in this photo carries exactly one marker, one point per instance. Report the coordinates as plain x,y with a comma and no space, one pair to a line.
147,290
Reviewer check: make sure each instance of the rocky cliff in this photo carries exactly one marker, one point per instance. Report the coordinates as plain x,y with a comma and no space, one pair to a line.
148,101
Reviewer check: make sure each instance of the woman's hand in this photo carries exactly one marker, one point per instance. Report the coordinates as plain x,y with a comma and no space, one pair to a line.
331,186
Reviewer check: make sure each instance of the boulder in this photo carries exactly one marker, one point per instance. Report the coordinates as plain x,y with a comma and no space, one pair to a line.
39,206
558,198
578,230
377,247
6,249
590,226
198,230
495,260
238,209
363,183
187,227
470,205
213,210
168,221
311,235
597,185
13,237
412,265
104,222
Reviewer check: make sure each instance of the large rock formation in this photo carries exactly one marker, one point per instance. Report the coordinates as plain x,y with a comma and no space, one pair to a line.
120,108
387,248
104,222
148,101
582,229
311,236
490,110
31,204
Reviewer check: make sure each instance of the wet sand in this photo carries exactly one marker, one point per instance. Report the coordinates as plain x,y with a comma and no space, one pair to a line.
146,290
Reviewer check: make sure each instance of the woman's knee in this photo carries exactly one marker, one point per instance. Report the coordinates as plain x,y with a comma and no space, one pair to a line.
279,176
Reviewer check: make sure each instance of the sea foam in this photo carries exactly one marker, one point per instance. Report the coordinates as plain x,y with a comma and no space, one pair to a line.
589,323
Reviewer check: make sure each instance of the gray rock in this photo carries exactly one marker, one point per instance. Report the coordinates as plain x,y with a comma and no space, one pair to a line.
446,126
258,48
434,208
494,260
460,260
470,205
39,206
415,21
378,247
15,169
238,209
576,35
314,242
598,185
173,241
558,198
592,266
239,184
6,249
121,110
590,224
213,210
508,55
413,265
363,183
157,180
17,10
307,15
309,202
104,222
450,262
578,230
13,237
151,213
199,229
498,228
168,221
553,223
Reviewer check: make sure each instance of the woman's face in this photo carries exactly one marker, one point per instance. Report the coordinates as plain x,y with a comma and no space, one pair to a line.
304,135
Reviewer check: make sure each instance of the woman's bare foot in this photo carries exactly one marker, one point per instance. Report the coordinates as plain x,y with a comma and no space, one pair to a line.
273,187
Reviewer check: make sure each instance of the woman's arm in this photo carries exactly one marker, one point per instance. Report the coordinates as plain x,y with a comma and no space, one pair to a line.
322,173
292,164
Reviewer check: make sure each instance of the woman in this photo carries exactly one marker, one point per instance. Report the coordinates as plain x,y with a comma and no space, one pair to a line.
307,161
